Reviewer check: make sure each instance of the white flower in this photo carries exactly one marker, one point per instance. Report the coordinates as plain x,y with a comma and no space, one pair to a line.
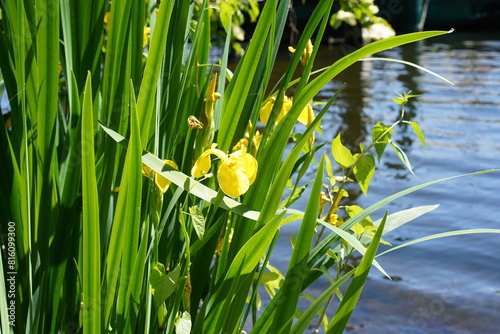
347,17
378,31
374,9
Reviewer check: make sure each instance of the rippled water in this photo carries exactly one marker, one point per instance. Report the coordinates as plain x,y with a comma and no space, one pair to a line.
449,285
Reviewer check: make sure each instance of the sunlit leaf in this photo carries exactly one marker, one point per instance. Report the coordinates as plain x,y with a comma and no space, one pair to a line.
183,323
402,99
328,167
397,219
402,155
410,64
341,154
90,218
418,131
353,210
226,11
363,170
381,136
198,221
442,235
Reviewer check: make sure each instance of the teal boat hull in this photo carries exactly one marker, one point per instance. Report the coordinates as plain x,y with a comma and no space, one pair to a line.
469,14
416,15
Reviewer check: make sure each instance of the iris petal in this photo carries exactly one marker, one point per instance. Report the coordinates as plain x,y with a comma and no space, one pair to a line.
232,181
202,165
236,172
248,165
307,115
162,182
265,112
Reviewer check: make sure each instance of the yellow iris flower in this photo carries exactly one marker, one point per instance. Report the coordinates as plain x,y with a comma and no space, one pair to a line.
145,39
161,182
236,173
306,54
306,116
107,24
243,144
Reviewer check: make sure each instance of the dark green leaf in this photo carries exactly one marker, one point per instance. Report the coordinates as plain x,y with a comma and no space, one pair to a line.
162,284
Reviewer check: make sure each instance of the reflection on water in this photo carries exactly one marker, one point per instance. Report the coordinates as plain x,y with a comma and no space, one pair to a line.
449,285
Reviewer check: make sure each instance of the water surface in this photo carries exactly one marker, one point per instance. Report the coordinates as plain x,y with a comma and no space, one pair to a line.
449,285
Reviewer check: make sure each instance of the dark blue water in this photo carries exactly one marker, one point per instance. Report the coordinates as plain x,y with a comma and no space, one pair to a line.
449,285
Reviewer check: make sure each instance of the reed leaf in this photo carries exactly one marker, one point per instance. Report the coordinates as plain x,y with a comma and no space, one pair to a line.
351,296
297,267
129,227
440,235
243,264
91,269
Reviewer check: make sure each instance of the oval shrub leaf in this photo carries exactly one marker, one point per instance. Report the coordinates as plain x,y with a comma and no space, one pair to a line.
198,221
183,324
341,154
162,284
380,138
363,170
418,131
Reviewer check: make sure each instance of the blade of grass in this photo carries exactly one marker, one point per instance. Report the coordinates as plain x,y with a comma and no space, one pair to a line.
178,76
368,211
47,59
402,217
307,317
222,76
240,85
91,245
114,111
130,226
307,94
146,98
351,296
410,64
119,238
330,240
440,235
243,264
135,286
297,267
